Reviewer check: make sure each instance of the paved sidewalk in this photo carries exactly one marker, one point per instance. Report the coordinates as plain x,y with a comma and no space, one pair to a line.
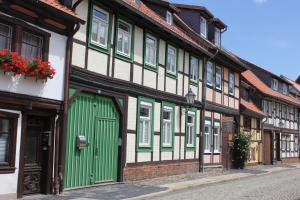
159,186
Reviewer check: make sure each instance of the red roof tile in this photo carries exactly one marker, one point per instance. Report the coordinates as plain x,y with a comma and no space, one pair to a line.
253,80
141,7
252,107
57,5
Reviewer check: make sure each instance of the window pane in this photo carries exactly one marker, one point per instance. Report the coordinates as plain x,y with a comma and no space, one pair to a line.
100,27
209,73
145,112
194,69
31,46
5,36
167,115
4,139
150,51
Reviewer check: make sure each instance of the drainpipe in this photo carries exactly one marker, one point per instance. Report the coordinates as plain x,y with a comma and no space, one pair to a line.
201,147
63,135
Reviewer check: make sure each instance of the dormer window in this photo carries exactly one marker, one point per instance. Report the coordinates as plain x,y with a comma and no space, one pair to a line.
217,37
275,84
284,89
203,27
169,18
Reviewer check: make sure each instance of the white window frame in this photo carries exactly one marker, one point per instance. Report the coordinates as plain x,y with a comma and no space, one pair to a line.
170,122
169,18
155,51
120,31
169,67
100,21
203,24
194,70
275,84
189,127
209,73
207,137
219,76
144,119
217,136
231,82
218,37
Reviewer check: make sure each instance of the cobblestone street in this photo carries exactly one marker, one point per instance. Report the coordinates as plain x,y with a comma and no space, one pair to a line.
283,185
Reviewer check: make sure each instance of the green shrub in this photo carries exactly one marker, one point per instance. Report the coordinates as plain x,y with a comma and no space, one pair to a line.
240,152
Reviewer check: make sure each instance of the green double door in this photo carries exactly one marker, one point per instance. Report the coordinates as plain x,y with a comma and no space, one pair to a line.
97,119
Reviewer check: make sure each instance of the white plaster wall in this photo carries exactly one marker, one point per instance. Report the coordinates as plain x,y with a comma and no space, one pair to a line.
78,58
190,155
177,119
9,182
130,148
197,147
132,112
180,60
161,79
138,45
137,74
200,91
176,147
157,117
187,63
97,62
82,11
179,85
182,147
171,85
166,155
149,78
122,70
53,88
186,85
162,52
144,157
156,147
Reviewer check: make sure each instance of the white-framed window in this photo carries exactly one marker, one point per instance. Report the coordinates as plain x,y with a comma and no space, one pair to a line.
270,109
207,136
231,83
275,84
5,36
145,124
167,126
169,18
217,136
191,125
171,60
209,73
284,89
194,69
100,27
124,38
265,106
217,37
283,142
219,78
151,50
203,27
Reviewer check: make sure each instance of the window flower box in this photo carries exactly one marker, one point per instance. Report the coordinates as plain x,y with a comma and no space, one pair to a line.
14,64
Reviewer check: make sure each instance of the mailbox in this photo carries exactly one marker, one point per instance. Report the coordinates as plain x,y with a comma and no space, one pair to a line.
81,142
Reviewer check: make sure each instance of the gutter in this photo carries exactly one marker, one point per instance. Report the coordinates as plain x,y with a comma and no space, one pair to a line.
201,141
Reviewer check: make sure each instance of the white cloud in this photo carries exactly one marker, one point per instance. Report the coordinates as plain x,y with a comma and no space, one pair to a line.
260,1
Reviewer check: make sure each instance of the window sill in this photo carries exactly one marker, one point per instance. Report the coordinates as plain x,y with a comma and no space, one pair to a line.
124,58
150,67
190,148
7,170
141,148
171,75
192,82
99,48
167,149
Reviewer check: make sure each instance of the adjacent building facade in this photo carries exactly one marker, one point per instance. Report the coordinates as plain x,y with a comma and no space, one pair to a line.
31,101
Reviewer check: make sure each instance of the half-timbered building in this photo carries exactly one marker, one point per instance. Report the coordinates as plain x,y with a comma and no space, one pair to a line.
281,124
133,63
32,33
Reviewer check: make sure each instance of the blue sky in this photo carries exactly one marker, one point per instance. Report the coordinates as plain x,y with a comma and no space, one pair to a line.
265,32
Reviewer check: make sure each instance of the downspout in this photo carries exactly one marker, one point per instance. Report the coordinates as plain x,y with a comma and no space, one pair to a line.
63,135
201,147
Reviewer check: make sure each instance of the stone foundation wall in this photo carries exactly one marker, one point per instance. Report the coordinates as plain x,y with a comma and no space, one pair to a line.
290,160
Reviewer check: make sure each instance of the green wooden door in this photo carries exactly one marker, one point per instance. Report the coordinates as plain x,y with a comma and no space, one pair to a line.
106,150
97,119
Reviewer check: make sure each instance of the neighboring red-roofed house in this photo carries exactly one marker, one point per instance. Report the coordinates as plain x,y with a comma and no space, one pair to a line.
35,53
274,95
